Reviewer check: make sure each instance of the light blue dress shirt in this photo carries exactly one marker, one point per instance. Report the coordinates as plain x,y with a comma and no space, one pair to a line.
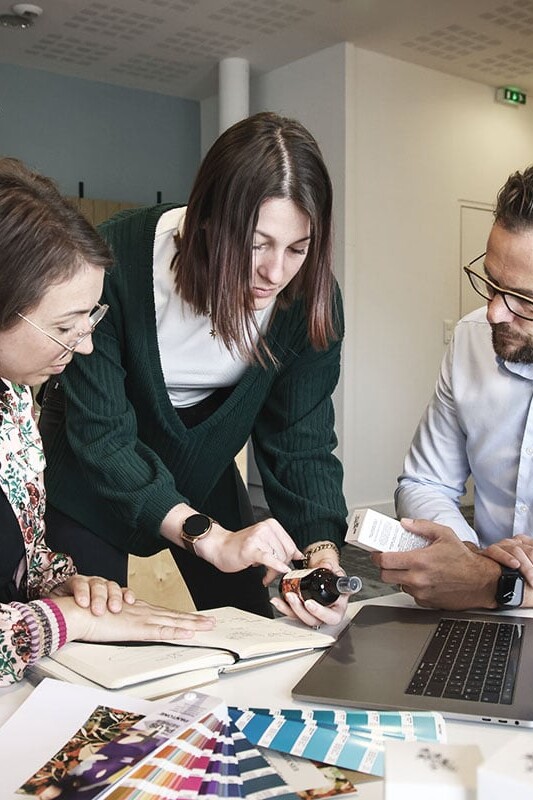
479,422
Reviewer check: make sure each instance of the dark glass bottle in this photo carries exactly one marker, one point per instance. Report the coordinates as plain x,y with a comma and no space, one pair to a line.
321,585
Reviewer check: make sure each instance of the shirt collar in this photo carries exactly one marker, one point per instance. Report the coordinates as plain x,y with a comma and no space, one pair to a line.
523,370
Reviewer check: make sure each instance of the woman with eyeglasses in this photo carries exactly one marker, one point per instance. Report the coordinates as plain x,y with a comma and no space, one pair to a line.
225,323
52,265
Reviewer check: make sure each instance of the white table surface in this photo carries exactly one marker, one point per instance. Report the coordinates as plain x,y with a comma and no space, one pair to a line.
270,686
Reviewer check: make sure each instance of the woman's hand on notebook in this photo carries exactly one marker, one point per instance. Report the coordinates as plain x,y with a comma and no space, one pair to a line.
136,622
95,593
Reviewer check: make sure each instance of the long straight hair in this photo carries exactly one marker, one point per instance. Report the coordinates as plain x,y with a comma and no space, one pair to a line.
264,156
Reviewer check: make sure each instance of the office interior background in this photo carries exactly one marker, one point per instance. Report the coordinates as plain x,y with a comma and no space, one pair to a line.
401,96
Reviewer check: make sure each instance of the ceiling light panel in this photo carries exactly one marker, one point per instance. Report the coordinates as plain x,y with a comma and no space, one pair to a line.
172,5
199,45
113,21
258,15
158,70
521,61
452,42
514,16
68,49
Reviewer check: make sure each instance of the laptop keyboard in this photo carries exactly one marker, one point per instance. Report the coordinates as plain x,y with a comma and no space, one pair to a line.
469,660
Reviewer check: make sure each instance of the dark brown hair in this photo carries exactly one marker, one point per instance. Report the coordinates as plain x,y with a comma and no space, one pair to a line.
264,156
44,239
514,206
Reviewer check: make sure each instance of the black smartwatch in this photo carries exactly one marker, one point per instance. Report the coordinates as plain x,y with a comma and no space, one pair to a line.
194,528
510,590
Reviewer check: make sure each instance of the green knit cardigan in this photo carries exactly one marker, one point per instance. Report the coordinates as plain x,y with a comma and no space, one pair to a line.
122,458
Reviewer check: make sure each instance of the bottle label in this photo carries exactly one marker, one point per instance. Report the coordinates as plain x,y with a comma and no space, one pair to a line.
290,582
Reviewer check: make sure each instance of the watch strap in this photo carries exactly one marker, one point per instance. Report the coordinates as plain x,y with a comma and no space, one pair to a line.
189,546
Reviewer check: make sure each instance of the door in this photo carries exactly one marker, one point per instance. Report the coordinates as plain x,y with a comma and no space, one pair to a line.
476,222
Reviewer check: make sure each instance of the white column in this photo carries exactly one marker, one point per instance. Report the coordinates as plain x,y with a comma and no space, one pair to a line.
233,91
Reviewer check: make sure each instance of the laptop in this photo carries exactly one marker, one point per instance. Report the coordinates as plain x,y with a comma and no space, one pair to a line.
469,666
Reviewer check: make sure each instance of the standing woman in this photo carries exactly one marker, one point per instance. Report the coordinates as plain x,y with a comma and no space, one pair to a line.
51,274
224,322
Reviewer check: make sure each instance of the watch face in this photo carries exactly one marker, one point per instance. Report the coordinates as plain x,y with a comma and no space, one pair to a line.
196,525
510,590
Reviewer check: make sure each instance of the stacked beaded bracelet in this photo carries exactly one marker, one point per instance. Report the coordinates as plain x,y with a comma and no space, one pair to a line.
46,626
33,628
322,546
59,621
48,639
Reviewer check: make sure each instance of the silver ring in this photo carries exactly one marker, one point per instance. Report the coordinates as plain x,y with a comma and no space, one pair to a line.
316,627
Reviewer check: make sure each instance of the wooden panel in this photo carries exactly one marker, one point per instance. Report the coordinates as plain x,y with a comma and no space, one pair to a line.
86,207
158,580
242,463
112,206
97,211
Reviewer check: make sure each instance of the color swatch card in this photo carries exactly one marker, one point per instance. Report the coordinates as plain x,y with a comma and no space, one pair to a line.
408,725
260,779
178,768
186,748
195,746
106,747
223,776
355,741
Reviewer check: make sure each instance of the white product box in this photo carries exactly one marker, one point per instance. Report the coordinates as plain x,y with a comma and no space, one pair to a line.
374,531
508,772
430,771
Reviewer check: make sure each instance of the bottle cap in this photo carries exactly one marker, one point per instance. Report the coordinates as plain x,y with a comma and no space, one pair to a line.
354,584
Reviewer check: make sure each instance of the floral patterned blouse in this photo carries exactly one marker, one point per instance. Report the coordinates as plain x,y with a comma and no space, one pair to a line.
35,628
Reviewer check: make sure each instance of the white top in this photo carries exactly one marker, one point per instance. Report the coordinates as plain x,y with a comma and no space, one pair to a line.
194,362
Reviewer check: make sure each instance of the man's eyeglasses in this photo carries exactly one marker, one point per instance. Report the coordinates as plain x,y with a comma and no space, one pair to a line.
517,303
95,317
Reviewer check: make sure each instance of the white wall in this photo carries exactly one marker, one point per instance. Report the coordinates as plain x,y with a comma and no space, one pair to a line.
423,141
404,145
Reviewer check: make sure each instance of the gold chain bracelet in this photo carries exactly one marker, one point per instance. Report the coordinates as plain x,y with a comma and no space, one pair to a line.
319,547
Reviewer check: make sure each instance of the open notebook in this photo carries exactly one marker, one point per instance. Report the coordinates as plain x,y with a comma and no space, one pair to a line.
240,640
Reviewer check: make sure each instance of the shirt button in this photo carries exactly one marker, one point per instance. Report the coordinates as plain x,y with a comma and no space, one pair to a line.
529,451
523,509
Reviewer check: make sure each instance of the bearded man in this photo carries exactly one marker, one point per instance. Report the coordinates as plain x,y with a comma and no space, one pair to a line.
480,423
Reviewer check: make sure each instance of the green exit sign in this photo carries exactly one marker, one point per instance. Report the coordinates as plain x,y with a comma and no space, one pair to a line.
511,95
